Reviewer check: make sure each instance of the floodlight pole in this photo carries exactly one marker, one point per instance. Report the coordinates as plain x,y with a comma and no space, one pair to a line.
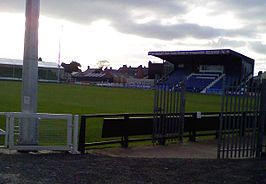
29,126
58,62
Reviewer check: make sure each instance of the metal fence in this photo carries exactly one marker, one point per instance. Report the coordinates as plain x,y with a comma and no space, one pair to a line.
3,130
97,130
242,120
57,132
169,110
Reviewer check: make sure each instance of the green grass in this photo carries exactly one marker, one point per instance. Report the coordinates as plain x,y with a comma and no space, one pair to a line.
80,99
77,99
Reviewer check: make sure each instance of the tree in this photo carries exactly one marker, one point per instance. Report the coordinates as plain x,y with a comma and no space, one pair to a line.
71,67
103,64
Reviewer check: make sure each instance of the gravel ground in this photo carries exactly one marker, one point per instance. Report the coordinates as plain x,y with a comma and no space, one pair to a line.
89,168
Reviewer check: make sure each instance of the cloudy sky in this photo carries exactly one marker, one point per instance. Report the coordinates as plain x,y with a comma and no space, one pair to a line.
123,31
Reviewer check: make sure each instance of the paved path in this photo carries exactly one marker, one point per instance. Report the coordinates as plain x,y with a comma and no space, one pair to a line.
202,149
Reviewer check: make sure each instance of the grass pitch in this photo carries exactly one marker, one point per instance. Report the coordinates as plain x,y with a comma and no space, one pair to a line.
81,99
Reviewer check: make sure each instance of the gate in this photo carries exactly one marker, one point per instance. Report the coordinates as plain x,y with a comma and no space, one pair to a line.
3,130
169,110
242,120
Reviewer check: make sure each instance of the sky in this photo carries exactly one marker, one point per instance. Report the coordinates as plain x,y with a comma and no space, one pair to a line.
124,31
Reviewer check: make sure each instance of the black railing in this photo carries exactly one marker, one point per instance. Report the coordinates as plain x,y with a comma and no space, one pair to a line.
124,139
125,125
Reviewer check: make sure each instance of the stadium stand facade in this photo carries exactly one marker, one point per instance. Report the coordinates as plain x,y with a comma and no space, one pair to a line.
11,69
206,71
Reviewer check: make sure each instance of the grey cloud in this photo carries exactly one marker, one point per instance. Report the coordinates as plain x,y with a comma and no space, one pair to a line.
248,4
121,14
176,31
261,62
222,43
11,6
258,47
168,32
245,10
84,10
223,6
246,31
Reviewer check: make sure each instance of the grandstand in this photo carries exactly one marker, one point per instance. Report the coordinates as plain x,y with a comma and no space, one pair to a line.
206,71
11,69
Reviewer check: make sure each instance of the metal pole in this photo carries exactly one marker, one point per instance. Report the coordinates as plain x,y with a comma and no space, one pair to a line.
156,110
29,127
82,135
182,111
75,134
262,118
59,59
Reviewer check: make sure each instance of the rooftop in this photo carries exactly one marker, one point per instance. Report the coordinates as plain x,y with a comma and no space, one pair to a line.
174,56
18,62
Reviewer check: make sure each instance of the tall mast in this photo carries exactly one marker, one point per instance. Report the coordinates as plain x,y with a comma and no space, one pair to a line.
28,126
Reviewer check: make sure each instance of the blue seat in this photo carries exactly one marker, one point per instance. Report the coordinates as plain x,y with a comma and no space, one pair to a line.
197,82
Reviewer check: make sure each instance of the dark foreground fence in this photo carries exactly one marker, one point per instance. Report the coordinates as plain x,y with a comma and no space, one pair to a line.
123,128
169,111
113,127
242,132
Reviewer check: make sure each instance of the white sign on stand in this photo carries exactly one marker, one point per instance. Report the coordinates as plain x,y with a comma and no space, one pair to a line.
198,115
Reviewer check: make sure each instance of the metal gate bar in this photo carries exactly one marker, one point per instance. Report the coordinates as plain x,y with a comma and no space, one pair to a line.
239,124
262,120
169,102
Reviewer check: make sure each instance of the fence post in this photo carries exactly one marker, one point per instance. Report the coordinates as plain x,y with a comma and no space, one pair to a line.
11,131
82,135
75,134
7,130
192,132
182,111
261,118
70,131
124,141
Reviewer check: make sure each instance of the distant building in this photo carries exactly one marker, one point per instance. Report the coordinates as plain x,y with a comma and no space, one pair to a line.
111,75
133,77
263,75
91,75
138,72
11,69
155,69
